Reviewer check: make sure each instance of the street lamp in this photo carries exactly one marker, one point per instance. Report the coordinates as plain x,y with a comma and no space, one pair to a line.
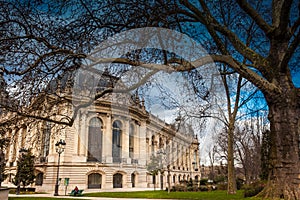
21,151
59,147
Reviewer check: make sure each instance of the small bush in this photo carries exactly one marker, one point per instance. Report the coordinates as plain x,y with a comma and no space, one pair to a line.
203,188
222,186
193,188
239,183
173,189
253,189
23,190
180,188
220,179
203,181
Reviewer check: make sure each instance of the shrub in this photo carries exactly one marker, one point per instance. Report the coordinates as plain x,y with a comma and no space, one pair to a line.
239,183
203,181
180,188
220,179
28,190
203,188
222,186
193,188
189,188
173,189
253,189
190,183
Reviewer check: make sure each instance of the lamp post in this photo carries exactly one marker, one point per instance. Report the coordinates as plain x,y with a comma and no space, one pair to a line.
21,151
59,147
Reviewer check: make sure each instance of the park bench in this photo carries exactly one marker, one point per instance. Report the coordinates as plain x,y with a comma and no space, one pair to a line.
78,194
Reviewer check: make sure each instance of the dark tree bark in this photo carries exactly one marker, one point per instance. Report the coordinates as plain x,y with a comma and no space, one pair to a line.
284,115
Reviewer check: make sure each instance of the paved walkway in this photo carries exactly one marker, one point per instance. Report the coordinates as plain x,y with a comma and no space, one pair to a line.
72,197
89,191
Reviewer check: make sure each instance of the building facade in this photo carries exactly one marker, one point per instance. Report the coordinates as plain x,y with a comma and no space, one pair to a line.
109,146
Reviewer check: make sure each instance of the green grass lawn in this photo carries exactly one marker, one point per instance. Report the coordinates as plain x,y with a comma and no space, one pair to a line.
213,195
38,198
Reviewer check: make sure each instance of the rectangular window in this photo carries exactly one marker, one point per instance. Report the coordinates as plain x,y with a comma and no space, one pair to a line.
153,179
131,145
46,139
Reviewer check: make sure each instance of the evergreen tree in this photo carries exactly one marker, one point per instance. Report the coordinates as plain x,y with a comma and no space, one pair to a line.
25,170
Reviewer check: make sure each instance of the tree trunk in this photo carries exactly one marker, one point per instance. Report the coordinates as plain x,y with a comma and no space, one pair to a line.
284,115
231,170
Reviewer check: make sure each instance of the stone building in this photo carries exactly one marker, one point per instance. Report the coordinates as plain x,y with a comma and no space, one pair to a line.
108,146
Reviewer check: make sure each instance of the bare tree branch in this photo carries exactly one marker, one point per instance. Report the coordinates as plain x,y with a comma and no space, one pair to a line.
255,16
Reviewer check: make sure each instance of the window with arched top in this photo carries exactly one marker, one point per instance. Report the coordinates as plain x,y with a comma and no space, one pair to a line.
152,144
95,140
195,159
131,141
161,143
133,180
94,180
39,178
117,141
117,180
196,178
174,178
46,139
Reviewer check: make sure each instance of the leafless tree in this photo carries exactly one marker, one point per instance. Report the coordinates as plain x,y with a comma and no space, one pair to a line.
39,42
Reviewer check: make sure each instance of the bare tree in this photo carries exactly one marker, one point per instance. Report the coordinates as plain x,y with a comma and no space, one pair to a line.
40,42
248,143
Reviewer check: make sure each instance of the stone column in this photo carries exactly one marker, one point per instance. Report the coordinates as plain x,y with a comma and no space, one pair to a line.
197,160
77,127
136,141
173,152
155,139
107,139
125,142
143,146
83,129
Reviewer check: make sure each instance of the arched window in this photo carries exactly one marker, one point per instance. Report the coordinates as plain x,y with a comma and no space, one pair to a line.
174,178
46,139
117,180
94,180
178,155
39,179
131,141
133,179
95,140
153,179
161,181
117,141
161,143
152,144
195,160
196,178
